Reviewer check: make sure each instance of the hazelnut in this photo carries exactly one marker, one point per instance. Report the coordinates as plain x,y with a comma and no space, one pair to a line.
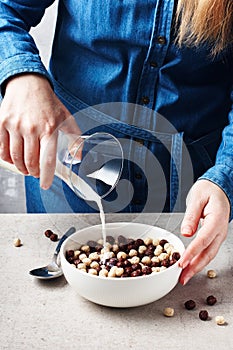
211,274
158,250
134,260
119,271
148,241
54,237
132,252
82,256
76,253
86,261
85,249
146,260
211,300
168,311
17,242
190,304
103,273
142,249
94,264
48,233
203,315
220,320
121,255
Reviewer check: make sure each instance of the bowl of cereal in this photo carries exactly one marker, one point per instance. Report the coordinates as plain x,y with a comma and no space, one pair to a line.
137,264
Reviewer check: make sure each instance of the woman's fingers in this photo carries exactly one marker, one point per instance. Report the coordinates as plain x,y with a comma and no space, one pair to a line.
17,152
4,145
209,205
32,154
201,260
48,150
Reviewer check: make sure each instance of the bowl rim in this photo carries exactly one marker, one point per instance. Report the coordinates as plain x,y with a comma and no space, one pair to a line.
170,268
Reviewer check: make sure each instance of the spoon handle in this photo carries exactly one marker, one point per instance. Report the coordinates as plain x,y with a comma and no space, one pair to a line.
66,235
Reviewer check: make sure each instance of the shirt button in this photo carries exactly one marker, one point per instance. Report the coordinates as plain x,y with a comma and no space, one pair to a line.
153,64
145,100
161,40
138,176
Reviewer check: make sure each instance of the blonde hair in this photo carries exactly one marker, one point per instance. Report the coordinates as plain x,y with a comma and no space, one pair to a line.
205,21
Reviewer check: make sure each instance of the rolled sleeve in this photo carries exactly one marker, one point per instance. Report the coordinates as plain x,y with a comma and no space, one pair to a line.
222,172
222,176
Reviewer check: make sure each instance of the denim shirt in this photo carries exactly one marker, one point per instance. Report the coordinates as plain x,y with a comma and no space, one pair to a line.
124,51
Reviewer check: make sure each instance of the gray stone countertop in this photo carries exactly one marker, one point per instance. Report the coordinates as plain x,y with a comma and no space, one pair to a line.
37,314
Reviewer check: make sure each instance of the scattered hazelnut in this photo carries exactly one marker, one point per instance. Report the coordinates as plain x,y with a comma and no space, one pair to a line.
168,311
190,304
17,242
54,237
48,233
220,320
211,273
203,315
211,300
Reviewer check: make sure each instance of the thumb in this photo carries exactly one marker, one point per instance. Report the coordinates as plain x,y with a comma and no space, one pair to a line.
192,215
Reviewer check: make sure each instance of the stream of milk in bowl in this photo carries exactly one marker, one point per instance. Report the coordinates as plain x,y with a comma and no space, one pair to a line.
90,195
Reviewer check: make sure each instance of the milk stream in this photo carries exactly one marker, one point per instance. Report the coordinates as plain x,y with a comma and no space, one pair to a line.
78,185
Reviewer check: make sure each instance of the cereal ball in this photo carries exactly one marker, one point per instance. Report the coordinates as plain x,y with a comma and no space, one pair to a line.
94,256
103,273
155,269
119,271
115,248
211,300
158,250
168,311
17,242
155,259
134,260
82,256
211,274
112,272
146,260
94,265
122,255
81,266
77,253
86,261
156,241
142,249
163,256
54,237
190,304
203,315
92,272
48,233
220,320
148,241
132,252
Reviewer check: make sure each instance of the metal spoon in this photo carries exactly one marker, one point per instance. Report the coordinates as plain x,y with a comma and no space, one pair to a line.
52,270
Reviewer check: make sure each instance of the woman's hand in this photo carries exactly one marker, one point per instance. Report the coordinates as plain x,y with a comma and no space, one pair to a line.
208,204
30,116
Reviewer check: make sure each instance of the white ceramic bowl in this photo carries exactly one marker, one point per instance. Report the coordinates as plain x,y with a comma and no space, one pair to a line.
127,291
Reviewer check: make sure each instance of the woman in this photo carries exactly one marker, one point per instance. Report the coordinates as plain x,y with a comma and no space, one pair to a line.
173,58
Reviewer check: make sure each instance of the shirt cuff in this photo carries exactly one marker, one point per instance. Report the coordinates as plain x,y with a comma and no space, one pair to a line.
222,176
23,63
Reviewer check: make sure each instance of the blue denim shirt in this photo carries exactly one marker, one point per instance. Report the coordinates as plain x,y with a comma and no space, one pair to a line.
124,51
